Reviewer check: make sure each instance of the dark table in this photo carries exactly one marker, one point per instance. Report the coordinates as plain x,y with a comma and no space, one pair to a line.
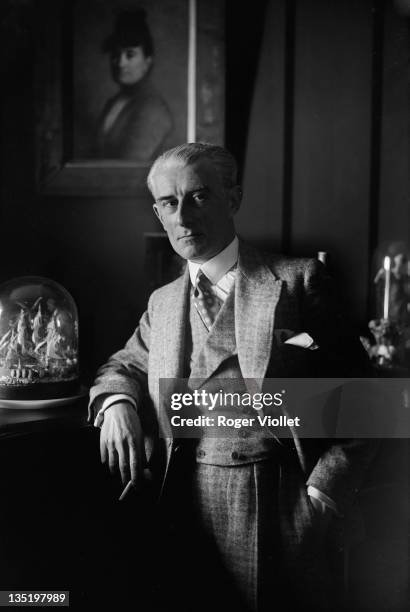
17,421
60,519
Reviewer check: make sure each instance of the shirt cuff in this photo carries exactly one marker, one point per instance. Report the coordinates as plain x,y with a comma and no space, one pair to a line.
324,499
110,401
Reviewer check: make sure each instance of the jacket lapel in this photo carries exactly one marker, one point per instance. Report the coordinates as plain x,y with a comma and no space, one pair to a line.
173,329
257,292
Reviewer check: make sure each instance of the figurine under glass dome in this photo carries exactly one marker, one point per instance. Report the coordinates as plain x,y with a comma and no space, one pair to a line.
38,340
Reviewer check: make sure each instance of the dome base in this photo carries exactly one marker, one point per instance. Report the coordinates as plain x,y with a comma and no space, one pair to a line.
40,391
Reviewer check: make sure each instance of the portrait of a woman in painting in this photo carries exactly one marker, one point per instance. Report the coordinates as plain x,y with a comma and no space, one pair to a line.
135,122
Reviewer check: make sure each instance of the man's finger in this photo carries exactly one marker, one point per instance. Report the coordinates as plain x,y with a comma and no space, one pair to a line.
123,461
103,450
112,459
135,464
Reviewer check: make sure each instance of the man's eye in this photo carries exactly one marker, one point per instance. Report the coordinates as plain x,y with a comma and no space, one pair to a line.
169,204
200,197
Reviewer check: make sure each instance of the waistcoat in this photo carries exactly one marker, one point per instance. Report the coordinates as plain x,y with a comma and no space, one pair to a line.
214,366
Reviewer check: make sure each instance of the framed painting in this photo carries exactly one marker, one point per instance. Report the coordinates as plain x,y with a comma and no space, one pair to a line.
120,81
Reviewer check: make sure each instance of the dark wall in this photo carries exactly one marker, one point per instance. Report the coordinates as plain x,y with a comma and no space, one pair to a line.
327,158
316,110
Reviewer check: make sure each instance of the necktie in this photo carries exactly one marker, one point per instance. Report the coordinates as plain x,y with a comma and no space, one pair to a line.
206,302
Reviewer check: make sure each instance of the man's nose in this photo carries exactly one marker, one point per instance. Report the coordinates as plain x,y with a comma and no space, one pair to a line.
184,212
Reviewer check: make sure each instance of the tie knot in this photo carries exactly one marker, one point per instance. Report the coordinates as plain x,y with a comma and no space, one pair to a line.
203,286
202,281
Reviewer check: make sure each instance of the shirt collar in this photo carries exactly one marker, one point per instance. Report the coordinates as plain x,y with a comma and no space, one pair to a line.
218,266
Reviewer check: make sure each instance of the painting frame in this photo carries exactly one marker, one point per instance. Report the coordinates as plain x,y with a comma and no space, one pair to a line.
58,171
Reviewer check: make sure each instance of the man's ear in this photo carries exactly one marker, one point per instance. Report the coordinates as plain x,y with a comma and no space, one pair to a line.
158,214
235,199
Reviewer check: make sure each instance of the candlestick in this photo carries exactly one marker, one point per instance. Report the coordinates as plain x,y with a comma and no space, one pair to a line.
386,266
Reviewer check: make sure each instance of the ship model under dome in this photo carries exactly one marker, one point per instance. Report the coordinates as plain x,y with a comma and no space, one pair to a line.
38,340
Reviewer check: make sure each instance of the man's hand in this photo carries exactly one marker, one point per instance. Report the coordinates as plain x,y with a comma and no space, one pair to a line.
122,442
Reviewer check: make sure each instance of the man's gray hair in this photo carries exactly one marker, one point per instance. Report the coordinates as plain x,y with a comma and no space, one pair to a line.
191,152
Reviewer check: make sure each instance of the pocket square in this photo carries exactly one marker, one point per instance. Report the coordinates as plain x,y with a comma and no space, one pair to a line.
302,340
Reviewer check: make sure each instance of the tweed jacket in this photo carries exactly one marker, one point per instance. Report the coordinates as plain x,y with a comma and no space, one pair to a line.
272,293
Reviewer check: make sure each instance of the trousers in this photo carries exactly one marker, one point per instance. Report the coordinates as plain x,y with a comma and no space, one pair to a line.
236,509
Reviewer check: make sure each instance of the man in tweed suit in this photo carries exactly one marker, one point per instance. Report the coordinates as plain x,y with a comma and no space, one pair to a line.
261,505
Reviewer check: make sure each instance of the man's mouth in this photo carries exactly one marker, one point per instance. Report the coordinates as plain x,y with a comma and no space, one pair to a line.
192,235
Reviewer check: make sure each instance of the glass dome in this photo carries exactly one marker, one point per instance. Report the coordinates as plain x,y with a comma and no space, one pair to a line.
38,339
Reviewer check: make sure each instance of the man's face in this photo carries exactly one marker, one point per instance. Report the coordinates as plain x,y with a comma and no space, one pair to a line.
129,65
195,209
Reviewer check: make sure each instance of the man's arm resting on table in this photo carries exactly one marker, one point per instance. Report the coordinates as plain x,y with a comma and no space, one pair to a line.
122,441
120,434
120,388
